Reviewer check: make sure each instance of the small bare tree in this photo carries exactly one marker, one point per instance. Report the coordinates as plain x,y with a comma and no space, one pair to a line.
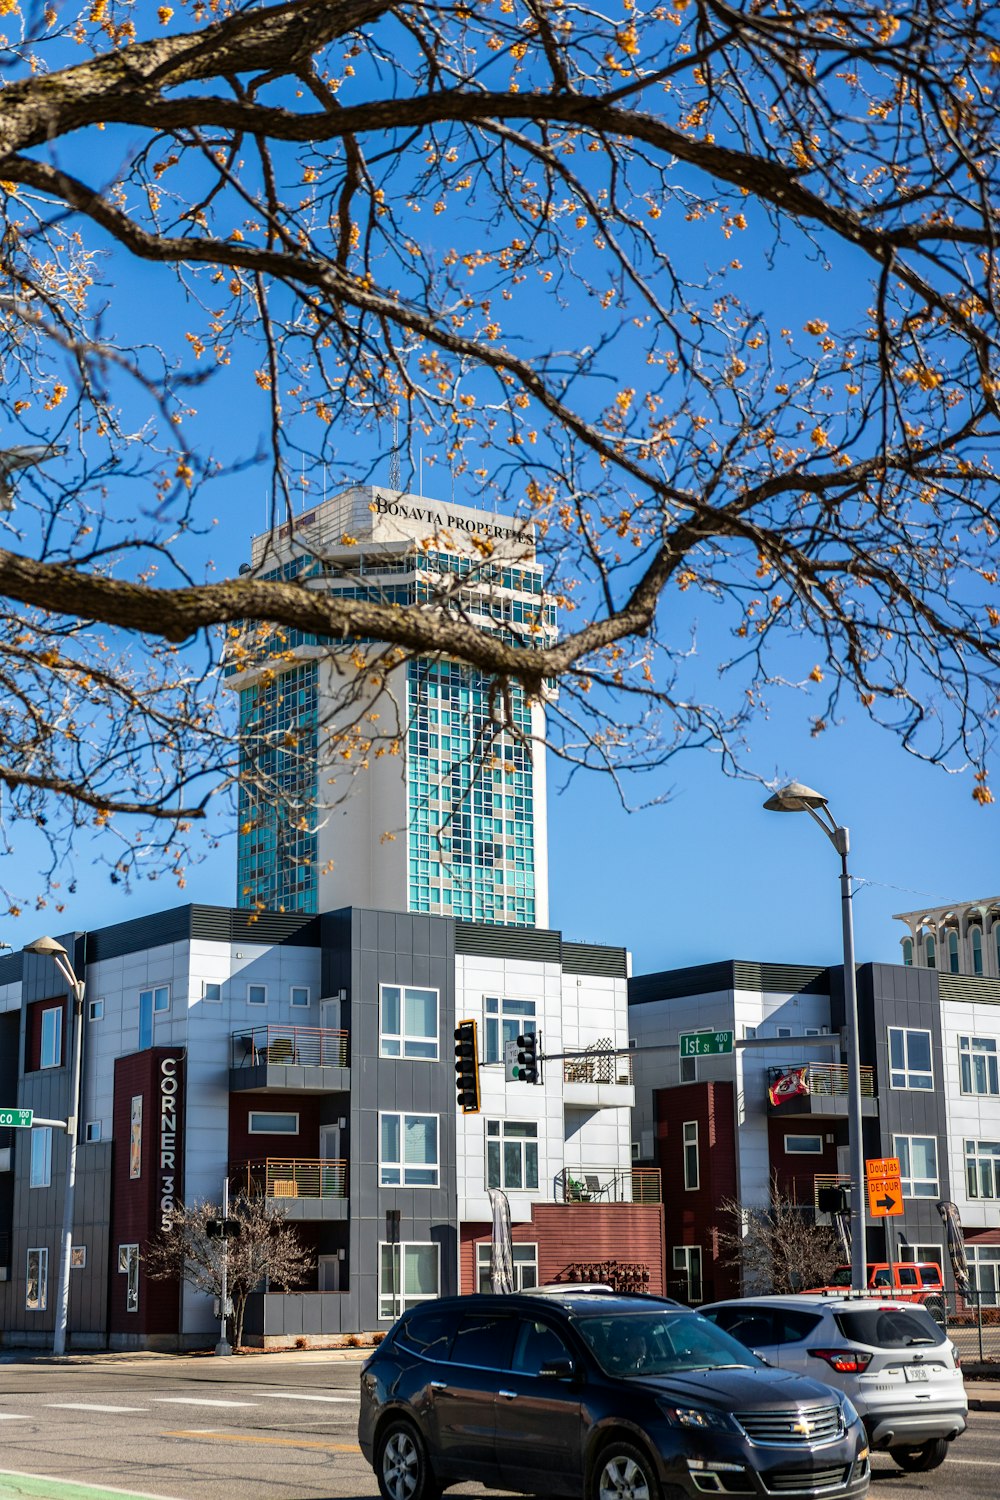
777,1247
266,1246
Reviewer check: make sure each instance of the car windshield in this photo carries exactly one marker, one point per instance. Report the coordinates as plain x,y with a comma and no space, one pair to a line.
644,1343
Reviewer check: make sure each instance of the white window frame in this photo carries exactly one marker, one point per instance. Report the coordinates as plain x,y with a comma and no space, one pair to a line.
784,1032
159,1004
274,1114
967,1050
40,1169
983,1153
95,1009
402,1044
907,1073
299,989
250,990
92,1131
685,1257
207,987
399,1173
393,1300
41,1301
525,1263
54,1050
496,1136
791,1150
689,1138
912,1253
505,1018
907,1179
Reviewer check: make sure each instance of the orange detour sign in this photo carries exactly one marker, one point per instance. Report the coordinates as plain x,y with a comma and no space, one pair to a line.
885,1191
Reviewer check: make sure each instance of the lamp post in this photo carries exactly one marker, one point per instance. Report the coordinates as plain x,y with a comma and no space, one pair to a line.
798,798
47,947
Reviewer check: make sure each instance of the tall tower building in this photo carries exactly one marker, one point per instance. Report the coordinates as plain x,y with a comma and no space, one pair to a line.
396,787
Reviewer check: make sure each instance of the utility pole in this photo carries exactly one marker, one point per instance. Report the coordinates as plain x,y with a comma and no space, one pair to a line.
224,1346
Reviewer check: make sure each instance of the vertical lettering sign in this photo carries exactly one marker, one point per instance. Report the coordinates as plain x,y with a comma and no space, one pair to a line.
169,1155
135,1138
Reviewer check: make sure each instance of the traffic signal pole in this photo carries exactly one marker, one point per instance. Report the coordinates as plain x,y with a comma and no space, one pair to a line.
224,1346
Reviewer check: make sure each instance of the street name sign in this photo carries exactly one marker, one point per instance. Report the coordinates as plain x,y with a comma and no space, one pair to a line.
16,1119
705,1043
885,1190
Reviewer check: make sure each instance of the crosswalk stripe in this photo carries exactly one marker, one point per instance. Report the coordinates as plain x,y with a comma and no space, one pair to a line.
13,1416
198,1401
90,1406
295,1396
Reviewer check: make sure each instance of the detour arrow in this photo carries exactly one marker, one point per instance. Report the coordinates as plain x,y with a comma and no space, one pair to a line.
887,1203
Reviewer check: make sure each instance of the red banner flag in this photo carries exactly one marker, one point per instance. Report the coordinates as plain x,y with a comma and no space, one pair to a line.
788,1085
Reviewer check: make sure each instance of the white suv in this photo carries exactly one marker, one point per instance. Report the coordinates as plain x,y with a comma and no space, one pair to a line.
890,1357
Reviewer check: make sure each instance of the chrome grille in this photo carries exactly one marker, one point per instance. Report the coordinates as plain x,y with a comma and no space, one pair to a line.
806,1483
804,1424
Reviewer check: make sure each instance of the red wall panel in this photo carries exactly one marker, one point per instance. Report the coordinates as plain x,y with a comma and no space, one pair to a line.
246,1147
692,1217
568,1232
33,1032
795,1172
139,1204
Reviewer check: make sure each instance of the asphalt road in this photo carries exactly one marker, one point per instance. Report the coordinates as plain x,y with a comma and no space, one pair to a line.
276,1426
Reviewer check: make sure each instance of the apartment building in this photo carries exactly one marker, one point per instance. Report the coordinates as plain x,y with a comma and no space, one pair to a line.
929,1096
310,1060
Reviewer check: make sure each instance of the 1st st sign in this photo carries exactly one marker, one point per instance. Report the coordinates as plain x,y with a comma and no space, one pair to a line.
705,1043
16,1119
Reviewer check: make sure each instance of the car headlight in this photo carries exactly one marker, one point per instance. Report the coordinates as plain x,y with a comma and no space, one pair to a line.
696,1417
849,1409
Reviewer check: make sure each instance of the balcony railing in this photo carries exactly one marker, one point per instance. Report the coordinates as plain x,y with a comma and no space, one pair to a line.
289,1046
608,1185
826,1079
279,1177
602,1067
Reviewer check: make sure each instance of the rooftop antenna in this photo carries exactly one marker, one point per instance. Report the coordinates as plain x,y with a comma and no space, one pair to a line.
394,455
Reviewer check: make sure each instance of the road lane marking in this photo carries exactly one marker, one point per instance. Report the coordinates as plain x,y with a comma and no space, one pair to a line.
275,1442
88,1406
198,1401
17,1486
13,1416
294,1396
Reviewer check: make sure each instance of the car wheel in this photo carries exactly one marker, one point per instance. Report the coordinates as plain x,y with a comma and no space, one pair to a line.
623,1472
927,1456
401,1465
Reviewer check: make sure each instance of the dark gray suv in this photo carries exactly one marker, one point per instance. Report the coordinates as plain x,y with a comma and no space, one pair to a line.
600,1395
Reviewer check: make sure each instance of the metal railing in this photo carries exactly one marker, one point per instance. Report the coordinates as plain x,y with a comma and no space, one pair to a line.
603,1067
827,1079
289,1046
608,1185
280,1177
829,1180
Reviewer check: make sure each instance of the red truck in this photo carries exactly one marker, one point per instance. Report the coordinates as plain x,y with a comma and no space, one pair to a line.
920,1280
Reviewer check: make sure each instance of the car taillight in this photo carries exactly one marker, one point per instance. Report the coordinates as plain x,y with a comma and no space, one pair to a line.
844,1361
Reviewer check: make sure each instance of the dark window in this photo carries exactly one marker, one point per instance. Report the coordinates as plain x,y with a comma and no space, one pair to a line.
930,1276
890,1327
428,1331
538,1345
753,1326
485,1341
791,1326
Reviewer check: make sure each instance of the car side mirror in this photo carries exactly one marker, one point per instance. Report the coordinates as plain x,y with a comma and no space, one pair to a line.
762,1357
559,1369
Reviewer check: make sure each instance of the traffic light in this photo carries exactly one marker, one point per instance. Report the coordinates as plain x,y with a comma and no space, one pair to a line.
467,1067
527,1057
831,1200
223,1229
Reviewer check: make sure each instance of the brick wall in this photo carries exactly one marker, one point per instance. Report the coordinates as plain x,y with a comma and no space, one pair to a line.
568,1232
692,1217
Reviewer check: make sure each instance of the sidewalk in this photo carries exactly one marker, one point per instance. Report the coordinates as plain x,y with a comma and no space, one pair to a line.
196,1356
984,1395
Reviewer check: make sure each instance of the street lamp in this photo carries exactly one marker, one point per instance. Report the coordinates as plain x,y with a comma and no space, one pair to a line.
47,947
798,798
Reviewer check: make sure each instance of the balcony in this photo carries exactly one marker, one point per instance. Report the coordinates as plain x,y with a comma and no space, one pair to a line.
821,1092
600,1079
302,1189
606,1185
306,1059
